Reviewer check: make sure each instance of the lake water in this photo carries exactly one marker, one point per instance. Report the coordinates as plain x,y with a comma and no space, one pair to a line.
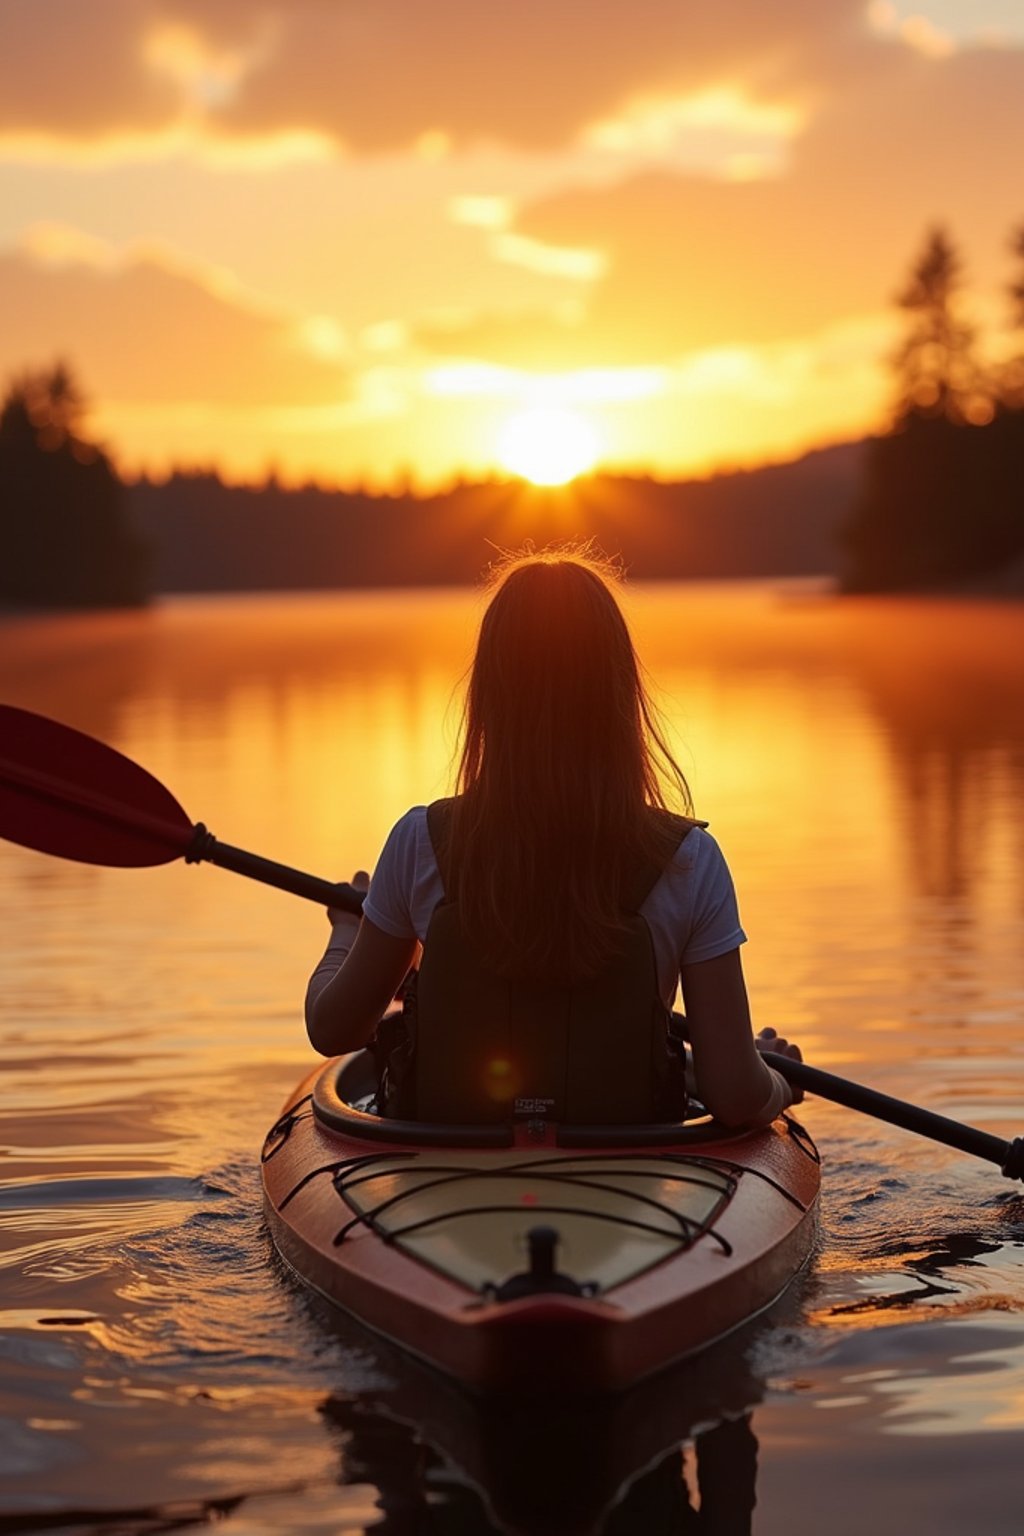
862,764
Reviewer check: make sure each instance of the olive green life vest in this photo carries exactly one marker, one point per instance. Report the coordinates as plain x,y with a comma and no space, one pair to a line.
474,1047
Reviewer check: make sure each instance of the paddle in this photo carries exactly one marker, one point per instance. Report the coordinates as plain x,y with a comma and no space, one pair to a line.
1007,1155
66,793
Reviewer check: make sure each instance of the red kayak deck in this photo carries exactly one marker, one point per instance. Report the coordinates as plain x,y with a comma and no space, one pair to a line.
674,1235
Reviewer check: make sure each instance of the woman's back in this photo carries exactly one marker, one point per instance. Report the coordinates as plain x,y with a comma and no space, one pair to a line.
563,784
475,1045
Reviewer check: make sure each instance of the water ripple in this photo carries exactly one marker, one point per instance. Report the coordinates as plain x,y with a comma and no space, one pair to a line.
45,1194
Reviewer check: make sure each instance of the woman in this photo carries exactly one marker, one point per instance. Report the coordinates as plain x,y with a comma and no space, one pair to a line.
555,902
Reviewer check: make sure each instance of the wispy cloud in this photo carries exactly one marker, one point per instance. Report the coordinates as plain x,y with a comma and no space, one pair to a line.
578,264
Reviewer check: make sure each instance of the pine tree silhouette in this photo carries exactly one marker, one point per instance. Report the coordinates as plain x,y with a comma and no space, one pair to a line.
937,374
1011,382
65,535
941,503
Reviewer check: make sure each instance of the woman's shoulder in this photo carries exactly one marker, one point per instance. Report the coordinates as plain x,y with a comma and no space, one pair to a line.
410,821
418,818
698,855
407,835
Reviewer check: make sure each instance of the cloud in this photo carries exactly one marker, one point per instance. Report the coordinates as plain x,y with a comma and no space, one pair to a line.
579,265
206,76
692,264
480,212
534,75
916,30
383,74
938,27
67,67
719,130
134,327
125,80
534,340
371,76
696,263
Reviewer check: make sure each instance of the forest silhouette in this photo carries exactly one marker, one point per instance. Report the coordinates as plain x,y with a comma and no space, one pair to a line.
208,536
942,498
934,502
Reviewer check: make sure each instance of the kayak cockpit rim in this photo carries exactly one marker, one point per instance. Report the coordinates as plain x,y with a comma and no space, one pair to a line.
346,1080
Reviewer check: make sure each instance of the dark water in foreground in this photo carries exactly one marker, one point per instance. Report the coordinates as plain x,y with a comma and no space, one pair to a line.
862,764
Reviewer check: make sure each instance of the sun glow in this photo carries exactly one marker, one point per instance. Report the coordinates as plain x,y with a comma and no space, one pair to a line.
548,446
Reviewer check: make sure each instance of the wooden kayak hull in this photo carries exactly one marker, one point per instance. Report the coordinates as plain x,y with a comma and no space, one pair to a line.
759,1240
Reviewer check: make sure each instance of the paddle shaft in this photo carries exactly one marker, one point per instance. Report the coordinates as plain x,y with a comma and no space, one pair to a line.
207,849
1007,1155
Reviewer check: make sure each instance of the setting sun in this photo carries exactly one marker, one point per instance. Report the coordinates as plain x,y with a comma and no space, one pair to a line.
548,446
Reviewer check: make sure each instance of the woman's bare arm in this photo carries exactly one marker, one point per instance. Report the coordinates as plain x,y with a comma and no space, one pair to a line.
734,1083
344,1008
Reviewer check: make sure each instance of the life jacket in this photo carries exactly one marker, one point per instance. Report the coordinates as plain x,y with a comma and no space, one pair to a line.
474,1047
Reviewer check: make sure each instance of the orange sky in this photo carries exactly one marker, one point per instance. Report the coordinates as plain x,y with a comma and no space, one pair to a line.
356,240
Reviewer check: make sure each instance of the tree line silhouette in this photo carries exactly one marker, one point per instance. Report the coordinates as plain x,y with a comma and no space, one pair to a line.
942,497
778,520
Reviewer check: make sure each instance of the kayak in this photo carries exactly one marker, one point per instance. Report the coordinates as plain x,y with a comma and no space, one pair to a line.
535,1256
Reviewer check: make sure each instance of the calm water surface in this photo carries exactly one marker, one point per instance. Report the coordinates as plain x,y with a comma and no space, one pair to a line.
862,763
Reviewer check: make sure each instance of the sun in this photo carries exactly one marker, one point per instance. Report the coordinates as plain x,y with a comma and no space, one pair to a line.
547,445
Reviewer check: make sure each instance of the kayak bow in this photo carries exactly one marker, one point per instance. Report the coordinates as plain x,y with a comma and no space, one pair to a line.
536,1256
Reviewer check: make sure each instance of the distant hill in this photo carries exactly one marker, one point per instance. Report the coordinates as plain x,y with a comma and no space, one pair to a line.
779,520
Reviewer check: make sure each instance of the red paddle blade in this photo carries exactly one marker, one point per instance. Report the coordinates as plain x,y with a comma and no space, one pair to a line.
66,793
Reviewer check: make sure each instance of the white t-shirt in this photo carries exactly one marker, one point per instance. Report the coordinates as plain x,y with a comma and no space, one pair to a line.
691,911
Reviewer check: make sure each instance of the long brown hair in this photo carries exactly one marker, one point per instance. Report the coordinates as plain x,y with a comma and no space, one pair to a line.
562,758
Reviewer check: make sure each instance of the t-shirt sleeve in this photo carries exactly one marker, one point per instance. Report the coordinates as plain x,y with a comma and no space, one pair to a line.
715,929
394,880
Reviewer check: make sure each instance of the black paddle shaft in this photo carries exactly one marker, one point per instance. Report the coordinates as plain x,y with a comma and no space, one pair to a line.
1007,1155
205,848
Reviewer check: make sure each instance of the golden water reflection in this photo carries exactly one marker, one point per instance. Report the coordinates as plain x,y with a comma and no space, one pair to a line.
862,763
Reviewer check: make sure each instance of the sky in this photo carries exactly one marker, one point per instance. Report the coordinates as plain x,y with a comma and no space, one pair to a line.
390,242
